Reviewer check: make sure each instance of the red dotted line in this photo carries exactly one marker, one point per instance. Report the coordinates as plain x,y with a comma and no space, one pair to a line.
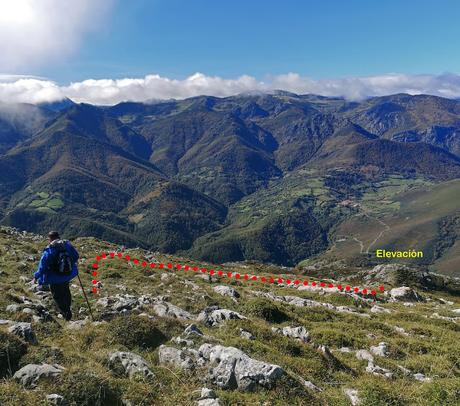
220,273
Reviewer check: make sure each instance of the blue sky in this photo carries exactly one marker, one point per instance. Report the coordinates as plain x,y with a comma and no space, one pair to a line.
267,37
107,51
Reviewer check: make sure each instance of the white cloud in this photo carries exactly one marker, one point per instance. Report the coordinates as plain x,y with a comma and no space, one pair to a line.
154,87
34,32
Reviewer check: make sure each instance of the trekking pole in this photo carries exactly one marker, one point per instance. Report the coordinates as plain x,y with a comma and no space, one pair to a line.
86,297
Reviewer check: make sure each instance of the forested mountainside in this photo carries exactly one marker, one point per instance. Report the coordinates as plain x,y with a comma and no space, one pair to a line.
270,177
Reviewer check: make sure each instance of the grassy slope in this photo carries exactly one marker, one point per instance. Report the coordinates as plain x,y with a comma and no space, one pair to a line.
408,214
430,348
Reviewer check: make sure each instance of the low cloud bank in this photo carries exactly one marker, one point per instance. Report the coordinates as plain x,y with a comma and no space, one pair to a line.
15,89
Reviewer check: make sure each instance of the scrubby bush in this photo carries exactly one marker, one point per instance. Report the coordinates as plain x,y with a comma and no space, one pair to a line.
446,392
11,351
85,388
267,310
40,354
136,331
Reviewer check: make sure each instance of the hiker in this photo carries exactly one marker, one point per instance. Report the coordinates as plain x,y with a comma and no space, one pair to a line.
58,266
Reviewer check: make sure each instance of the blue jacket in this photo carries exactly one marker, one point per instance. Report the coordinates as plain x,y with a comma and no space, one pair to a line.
45,276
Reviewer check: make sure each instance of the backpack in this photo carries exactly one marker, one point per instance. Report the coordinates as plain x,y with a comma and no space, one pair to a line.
63,263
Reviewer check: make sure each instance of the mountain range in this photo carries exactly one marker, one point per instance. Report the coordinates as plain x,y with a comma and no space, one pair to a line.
279,178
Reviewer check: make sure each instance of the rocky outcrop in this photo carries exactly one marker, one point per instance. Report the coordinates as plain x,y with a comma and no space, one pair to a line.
55,399
228,367
353,395
122,304
405,294
376,370
25,331
379,309
213,315
299,333
208,398
381,350
246,334
231,368
29,375
181,359
226,291
34,307
129,364
364,355
165,309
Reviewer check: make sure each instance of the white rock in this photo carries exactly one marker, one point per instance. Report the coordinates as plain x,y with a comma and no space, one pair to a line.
405,294
380,350
310,385
364,355
55,399
376,370
379,309
29,375
129,364
208,398
214,315
299,333
404,370
353,396
25,331
208,402
246,334
422,378
13,308
226,291
163,309
181,359
233,369
401,331
191,330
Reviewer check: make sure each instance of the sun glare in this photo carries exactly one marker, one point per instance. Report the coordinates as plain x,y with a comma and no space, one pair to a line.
16,11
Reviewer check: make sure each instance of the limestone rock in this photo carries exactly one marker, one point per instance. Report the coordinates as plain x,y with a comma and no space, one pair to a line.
166,309
246,334
405,294
231,368
352,394
55,399
379,309
310,385
181,359
226,291
129,364
13,308
213,315
29,375
364,355
299,333
380,350
208,398
420,377
191,330
376,370
25,331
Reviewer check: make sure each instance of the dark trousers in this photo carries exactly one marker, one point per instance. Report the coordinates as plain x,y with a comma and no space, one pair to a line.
62,297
